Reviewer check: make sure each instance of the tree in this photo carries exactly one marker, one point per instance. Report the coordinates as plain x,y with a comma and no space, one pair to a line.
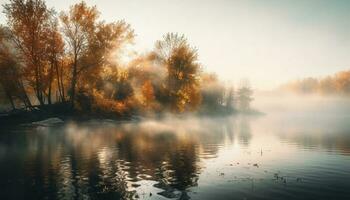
11,77
181,62
78,24
230,98
327,86
148,94
244,96
213,93
28,22
342,82
122,87
11,81
90,42
334,84
104,45
55,56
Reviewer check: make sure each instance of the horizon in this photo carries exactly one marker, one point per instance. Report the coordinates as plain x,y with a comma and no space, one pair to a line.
295,40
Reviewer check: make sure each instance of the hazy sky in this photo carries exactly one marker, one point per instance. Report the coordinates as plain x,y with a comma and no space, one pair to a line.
268,42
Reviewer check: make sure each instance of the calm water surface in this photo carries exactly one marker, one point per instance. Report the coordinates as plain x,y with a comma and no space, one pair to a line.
270,157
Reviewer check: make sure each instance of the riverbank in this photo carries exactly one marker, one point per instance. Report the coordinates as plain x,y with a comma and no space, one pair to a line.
63,112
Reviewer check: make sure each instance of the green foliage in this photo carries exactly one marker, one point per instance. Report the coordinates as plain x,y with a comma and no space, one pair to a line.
244,98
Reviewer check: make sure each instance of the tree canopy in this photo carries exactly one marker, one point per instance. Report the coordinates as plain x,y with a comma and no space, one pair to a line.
73,57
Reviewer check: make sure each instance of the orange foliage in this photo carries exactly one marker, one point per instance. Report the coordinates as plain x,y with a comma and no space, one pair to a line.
336,84
74,57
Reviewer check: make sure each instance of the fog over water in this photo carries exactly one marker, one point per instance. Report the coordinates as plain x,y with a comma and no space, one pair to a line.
300,149
97,104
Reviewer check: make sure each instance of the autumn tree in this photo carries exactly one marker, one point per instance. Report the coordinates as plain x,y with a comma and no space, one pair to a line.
11,82
77,57
28,21
181,62
120,88
148,95
55,56
103,51
213,93
90,42
78,24
342,82
147,77
337,84
10,70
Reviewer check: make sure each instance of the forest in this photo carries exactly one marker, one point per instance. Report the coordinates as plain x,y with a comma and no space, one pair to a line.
337,84
70,61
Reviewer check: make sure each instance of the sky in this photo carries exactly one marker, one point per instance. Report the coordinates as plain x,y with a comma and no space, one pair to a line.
268,42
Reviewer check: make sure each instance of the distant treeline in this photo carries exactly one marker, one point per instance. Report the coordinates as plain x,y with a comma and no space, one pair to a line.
337,84
73,58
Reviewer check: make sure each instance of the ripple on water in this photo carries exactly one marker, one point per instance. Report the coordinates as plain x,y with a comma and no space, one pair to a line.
118,162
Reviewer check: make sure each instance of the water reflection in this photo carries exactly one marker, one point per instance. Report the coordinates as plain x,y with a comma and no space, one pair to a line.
244,131
179,158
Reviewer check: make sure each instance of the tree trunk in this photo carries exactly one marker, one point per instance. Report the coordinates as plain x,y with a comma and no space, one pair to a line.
8,94
37,86
74,81
58,83
50,83
24,96
62,86
59,75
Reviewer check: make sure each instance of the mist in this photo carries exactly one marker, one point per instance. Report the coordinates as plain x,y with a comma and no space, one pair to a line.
279,102
183,100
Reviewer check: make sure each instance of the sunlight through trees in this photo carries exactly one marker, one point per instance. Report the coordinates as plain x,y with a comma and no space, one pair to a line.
71,59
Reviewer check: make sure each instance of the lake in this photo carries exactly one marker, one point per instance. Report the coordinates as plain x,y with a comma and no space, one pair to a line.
275,156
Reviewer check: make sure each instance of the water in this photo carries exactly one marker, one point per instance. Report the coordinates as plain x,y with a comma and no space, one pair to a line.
269,157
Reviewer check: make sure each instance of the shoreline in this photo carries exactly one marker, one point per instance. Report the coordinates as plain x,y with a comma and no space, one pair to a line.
61,111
